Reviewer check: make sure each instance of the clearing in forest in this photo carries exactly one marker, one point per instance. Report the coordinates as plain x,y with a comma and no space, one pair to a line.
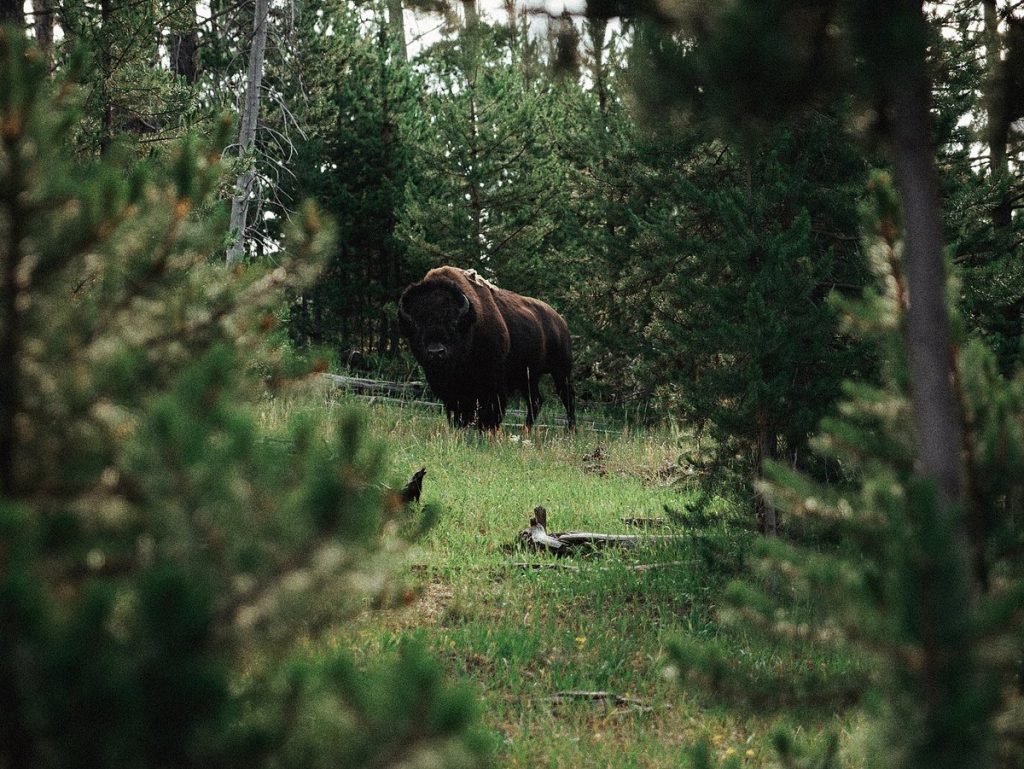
529,641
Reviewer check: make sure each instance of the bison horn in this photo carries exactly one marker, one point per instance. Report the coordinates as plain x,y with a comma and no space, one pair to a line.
465,306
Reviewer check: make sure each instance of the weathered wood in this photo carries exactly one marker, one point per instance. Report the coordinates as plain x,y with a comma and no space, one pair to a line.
645,523
362,385
611,698
249,115
409,393
640,567
536,537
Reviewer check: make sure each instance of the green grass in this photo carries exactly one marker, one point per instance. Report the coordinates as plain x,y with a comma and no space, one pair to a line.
517,637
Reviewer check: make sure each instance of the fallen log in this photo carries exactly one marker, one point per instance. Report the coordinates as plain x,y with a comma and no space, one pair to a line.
645,523
611,698
365,386
536,537
528,566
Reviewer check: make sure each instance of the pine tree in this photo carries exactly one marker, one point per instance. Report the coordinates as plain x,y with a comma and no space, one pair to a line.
157,557
917,529
893,586
492,181
760,235
130,100
356,155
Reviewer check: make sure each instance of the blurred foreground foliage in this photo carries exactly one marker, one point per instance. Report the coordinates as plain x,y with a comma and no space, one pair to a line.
877,576
159,557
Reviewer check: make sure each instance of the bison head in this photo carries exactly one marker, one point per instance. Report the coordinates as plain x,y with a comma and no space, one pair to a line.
437,319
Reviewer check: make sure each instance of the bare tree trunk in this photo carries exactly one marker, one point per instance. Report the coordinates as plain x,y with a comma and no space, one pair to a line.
396,28
937,418
11,258
1002,211
43,24
184,49
247,130
470,13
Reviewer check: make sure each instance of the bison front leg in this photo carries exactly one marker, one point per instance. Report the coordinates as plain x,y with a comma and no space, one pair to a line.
491,411
533,402
460,412
567,394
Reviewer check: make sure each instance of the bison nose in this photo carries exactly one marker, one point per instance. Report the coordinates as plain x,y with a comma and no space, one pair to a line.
438,351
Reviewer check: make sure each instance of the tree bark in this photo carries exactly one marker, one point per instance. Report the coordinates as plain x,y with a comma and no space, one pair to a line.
247,130
396,28
390,256
43,25
767,449
1002,211
184,49
10,318
107,120
937,418
470,12
597,30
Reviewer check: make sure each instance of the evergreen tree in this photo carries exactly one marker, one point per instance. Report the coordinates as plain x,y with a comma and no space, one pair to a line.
157,558
359,126
718,251
130,98
492,179
980,193
769,231
914,587
891,586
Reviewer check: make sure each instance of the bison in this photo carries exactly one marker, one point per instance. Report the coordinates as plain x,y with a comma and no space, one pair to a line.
478,344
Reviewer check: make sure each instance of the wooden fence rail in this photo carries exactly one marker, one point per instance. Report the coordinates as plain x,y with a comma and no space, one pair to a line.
413,392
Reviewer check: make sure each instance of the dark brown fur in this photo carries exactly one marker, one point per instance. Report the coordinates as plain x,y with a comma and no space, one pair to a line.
478,344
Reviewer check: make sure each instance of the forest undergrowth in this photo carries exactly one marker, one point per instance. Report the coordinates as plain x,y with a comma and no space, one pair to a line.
529,634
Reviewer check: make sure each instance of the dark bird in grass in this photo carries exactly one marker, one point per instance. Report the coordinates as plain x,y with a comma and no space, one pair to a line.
411,491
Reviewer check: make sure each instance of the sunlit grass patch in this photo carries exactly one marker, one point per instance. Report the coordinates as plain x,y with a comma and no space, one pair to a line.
520,635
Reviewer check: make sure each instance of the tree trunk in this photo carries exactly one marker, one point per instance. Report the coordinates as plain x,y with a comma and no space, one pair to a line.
767,449
247,130
937,418
107,119
470,13
996,128
184,49
396,28
11,258
43,24
597,30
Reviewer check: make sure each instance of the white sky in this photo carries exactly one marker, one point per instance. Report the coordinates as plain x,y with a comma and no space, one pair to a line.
422,30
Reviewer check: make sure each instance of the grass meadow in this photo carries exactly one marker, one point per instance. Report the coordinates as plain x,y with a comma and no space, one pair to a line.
518,635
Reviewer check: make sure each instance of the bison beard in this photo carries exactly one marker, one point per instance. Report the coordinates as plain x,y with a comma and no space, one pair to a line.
478,344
